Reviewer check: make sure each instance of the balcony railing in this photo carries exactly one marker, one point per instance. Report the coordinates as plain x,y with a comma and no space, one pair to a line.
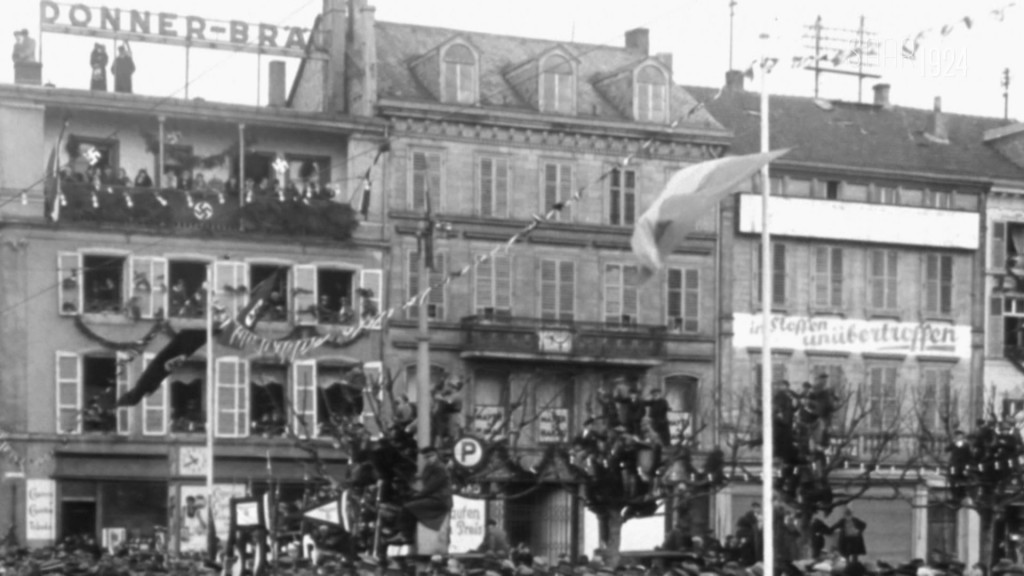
205,211
500,335
882,448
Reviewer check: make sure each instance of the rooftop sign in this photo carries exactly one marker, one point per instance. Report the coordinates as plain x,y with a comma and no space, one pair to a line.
174,29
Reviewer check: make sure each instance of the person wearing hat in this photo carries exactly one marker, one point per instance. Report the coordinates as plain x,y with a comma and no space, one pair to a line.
98,60
851,536
432,503
24,47
495,539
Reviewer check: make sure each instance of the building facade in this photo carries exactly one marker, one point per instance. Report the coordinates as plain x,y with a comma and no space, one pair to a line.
148,208
877,221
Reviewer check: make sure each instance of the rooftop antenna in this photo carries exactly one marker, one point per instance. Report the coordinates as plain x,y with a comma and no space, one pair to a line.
572,34
732,20
1005,83
842,51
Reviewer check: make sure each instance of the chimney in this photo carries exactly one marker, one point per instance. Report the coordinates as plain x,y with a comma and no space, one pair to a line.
639,39
882,95
361,53
938,126
275,84
665,58
334,31
734,81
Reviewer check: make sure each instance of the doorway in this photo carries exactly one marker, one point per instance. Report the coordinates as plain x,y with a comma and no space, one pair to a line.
78,519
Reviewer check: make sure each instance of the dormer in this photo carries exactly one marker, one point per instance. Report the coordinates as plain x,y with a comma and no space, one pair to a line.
548,82
640,91
451,72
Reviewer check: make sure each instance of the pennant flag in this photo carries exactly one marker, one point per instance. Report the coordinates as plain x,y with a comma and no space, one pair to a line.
52,192
183,345
689,194
259,300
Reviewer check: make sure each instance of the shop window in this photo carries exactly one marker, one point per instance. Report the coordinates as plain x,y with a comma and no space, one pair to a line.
138,507
277,306
187,295
269,409
99,394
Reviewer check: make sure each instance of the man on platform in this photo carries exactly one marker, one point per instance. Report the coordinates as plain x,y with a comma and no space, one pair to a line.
433,502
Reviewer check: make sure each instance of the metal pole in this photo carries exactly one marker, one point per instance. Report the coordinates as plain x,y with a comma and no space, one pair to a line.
259,76
817,59
423,400
241,165
188,49
767,456
732,20
160,161
860,64
211,413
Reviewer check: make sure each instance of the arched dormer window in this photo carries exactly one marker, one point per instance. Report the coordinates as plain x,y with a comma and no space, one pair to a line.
651,99
558,85
460,77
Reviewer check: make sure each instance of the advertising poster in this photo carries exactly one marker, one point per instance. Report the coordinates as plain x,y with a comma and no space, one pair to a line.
468,521
192,514
41,507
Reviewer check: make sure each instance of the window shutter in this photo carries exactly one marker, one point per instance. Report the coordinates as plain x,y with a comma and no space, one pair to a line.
892,282
503,282
487,186
155,406
124,414
779,274
304,398
691,304
998,245
484,285
931,283
501,183
674,303
551,189
819,267
141,285
69,289
549,289
996,328
69,393
420,180
372,279
232,397
630,294
567,290
837,277
629,198
161,290
946,285
615,197
228,285
304,287
612,293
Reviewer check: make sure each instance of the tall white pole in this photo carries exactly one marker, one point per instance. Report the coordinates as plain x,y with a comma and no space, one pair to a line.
767,456
211,412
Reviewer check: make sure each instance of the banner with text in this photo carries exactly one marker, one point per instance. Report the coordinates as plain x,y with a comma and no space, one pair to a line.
41,509
855,336
468,522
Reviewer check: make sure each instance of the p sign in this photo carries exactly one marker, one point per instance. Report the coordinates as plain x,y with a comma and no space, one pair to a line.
469,452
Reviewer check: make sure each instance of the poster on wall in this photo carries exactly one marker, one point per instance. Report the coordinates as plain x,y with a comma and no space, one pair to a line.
192,514
40,507
468,521
680,425
487,420
553,426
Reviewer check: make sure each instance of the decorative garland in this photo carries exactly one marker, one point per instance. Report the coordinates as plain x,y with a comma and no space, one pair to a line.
135,346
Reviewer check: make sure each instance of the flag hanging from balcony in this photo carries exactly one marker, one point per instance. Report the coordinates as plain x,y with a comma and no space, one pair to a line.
52,191
183,345
689,194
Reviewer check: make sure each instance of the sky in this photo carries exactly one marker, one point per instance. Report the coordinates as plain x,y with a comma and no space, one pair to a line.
963,68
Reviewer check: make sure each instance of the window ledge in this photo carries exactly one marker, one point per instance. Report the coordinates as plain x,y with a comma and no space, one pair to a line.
111,318
884,315
938,318
830,312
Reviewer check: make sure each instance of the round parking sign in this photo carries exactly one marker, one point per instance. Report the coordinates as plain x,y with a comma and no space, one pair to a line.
469,452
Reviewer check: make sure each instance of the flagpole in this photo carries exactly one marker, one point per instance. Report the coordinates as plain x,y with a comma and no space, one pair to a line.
210,397
767,276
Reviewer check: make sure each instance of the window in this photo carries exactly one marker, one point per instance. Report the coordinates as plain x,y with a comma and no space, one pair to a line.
334,291
186,400
276,309
557,188
154,406
232,378
558,93
1007,244
1006,335
99,392
494,178
268,409
557,290
827,277
91,283
459,75
885,195
684,300
882,279
623,197
651,95
937,416
682,393
339,401
856,192
883,407
832,190
494,286
800,188
621,294
942,199
326,295
426,180
778,274
436,298
187,296
938,283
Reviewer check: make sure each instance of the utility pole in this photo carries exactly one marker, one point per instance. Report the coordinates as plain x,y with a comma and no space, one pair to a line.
732,21
1006,93
817,54
860,62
